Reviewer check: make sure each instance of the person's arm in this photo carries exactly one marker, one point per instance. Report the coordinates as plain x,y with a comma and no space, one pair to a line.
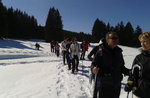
125,70
92,53
97,62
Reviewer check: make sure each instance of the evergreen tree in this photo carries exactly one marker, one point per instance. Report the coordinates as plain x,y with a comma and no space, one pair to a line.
3,21
99,30
119,28
53,26
128,35
137,32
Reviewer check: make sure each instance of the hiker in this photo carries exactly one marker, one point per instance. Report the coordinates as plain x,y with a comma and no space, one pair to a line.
64,51
141,69
84,47
94,77
109,66
37,46
52,44
68,54
92,53
75,53
57,49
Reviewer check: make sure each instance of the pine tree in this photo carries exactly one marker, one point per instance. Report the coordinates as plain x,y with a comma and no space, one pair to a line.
3,21
53,26
137,32
119,28
128,35
99,30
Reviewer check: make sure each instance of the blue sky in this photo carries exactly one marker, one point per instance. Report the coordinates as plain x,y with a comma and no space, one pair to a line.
79,15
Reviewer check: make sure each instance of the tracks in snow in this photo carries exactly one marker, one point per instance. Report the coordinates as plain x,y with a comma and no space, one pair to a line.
70,85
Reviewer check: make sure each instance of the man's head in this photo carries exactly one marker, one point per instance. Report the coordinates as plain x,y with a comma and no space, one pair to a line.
74,40
112,39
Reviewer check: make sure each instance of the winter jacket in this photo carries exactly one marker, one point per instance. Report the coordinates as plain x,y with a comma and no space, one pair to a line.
75,49
93,53
111,64
143,60
63,45
110,61
85,46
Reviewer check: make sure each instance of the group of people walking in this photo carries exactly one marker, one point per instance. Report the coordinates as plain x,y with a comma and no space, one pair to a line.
55,47
108,65
71,51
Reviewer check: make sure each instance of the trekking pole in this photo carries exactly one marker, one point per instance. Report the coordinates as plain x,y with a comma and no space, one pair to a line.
132,94
82,67
128,94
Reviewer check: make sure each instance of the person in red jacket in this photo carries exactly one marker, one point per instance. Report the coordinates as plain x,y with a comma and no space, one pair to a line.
84,47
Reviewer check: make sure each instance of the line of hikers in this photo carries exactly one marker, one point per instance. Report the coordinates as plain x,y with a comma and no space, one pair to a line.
108,66
55,47
71,51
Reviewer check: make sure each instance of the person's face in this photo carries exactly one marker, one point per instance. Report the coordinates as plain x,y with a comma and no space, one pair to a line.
112,40
145,45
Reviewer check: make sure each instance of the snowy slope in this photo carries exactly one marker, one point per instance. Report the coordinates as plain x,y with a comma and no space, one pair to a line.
29,73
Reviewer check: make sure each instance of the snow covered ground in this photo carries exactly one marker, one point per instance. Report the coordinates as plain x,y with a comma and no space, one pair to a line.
29,73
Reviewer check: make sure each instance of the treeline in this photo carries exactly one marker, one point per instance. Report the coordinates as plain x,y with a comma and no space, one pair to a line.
128,36
18,24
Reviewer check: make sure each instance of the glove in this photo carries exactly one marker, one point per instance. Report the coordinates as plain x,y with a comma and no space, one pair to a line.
129,86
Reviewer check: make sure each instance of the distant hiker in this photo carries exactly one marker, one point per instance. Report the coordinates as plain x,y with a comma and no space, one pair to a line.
64,50
84,47
68,54
57,49
140,75
52,44
37,46
109,66
75,52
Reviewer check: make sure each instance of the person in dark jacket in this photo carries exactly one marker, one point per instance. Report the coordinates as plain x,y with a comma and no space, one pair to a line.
92,53
37,46
92,76
109,67
143,61
68,54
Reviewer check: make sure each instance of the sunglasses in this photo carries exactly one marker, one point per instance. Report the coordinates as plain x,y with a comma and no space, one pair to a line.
114,38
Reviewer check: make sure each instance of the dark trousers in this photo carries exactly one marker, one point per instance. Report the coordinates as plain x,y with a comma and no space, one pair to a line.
109,88
64,56
57,53
75,63
69,59
52,49
82,55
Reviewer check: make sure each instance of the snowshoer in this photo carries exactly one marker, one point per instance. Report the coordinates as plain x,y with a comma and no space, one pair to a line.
109,67
140,75
75,52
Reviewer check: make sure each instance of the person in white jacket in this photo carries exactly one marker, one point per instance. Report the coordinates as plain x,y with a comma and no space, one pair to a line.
64,50
75,52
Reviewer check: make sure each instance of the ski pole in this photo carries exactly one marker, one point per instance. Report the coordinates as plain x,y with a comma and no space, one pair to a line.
128,94
132,94
82,67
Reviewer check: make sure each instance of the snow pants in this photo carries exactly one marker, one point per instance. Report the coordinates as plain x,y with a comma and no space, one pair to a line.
75,63
109,88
